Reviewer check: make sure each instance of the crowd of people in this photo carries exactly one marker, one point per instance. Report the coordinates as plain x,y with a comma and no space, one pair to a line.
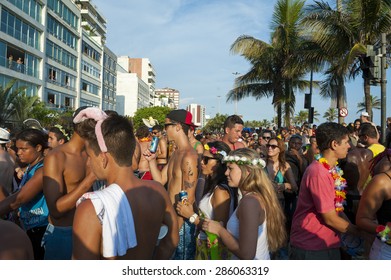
170,191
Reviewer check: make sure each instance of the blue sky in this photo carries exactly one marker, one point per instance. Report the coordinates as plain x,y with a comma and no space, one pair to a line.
188,42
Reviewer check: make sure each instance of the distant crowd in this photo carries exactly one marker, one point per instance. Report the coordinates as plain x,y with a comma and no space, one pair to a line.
171,191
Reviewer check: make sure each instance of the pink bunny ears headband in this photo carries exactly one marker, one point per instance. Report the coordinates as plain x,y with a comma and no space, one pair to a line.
97,115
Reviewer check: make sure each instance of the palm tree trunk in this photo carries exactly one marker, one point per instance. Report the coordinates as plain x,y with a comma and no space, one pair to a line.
279,115
340,97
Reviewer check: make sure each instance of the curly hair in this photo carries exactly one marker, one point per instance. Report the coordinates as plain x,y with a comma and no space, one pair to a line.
255,179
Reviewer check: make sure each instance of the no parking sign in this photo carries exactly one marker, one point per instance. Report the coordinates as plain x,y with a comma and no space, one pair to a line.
343,112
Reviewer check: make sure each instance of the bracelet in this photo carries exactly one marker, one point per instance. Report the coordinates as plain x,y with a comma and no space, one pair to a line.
383,233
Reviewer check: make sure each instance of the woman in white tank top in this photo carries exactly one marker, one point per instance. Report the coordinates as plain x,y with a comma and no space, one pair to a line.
257,227
217,202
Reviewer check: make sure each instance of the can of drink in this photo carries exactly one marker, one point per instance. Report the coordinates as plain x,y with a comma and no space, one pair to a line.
154,144
183,196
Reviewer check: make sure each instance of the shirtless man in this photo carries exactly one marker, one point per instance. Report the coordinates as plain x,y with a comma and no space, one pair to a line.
136,159
180,173
14,242
7,166
144,140
233,127
357,166
143,205
162,150
64,183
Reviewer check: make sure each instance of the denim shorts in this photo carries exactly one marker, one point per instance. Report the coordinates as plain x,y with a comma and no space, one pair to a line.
187,242
57,242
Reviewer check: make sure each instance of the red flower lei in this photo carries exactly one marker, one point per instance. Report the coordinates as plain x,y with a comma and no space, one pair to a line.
339,183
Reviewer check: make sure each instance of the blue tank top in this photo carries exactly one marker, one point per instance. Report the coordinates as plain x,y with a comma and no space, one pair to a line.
35,212
279,178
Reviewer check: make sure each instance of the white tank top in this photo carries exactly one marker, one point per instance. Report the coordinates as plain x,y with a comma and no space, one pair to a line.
206,208
262,252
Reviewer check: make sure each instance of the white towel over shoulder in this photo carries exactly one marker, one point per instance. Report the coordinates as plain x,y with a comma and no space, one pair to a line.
115,215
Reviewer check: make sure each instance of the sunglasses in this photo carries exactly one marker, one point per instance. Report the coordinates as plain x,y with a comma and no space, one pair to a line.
266,138
206,159
155,132
168,124
271,146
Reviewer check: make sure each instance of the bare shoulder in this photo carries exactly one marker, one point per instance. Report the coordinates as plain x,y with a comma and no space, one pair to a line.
221,191
54,162
56,154
381,181
358,154
239,145
249,205
14,243
84,210
190,154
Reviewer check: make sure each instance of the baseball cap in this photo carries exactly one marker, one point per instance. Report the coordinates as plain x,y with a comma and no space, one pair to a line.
365,114
181,116
4,136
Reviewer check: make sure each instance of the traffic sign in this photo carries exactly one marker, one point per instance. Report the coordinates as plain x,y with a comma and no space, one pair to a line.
343,112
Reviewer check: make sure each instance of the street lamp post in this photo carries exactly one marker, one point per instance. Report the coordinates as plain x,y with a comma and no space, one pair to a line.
236,98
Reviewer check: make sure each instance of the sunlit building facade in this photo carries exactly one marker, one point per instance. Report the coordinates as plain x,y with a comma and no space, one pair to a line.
56,48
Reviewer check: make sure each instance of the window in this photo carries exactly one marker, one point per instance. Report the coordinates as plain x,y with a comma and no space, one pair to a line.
52,74
84,86
51,99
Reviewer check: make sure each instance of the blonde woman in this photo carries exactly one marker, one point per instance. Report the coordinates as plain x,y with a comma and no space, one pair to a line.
257,227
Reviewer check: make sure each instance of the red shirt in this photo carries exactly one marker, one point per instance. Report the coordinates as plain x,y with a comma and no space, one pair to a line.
317,194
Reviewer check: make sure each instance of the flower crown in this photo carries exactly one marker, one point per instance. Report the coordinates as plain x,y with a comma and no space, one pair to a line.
244,161
62,131
214,150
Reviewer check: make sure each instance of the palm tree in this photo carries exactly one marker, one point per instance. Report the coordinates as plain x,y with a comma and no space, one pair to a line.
275,70
302,116
265,123
23,105
8,96
343,34
375,104
331,114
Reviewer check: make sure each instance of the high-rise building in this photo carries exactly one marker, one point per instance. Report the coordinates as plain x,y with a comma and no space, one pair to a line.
133,92
143,68
198,112
167,97
56,48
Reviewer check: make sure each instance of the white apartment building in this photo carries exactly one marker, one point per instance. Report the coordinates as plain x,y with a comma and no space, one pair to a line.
133,91
56,48
167,97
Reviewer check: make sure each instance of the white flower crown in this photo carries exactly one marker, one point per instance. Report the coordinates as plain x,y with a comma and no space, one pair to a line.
243,160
